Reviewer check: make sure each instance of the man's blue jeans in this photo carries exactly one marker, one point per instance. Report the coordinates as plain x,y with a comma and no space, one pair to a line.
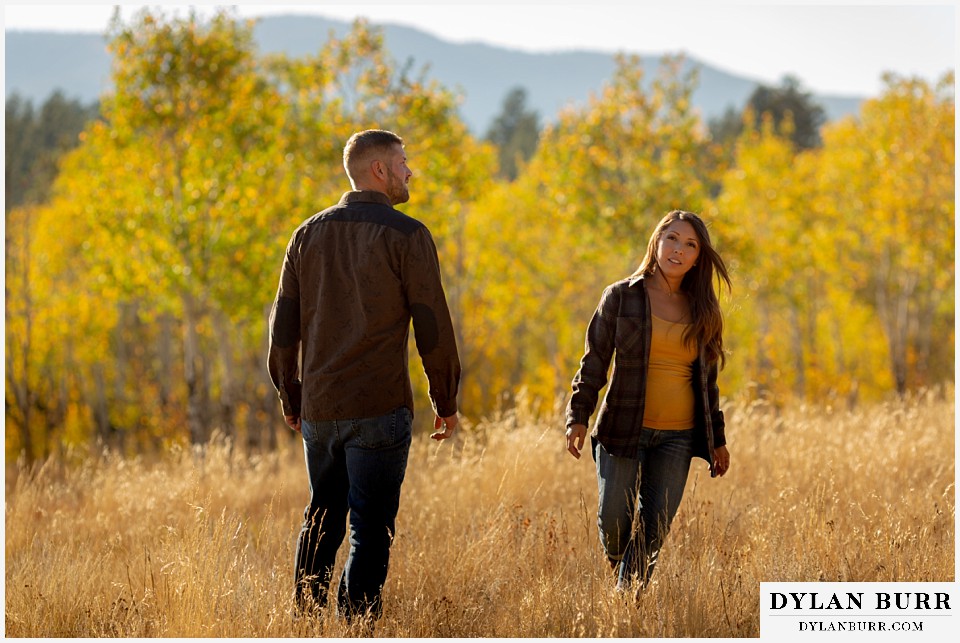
655,480
354,466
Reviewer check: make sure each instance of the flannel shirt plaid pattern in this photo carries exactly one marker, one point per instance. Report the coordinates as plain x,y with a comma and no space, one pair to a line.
620,330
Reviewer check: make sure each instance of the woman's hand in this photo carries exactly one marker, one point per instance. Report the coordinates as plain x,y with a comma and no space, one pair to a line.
721,460
576,434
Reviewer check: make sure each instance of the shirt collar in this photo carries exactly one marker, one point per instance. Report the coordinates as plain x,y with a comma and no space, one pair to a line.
635,280
365,196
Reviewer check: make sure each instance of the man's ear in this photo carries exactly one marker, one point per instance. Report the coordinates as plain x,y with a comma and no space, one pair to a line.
377,169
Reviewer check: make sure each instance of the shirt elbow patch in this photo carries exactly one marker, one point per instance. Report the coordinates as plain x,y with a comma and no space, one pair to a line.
285,331
425,327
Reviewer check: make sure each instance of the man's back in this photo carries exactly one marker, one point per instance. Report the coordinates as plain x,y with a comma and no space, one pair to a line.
353,276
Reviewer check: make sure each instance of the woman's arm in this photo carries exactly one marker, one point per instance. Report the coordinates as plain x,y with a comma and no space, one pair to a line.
592,375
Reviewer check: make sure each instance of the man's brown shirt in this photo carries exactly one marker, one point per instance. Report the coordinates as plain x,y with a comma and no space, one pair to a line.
353,277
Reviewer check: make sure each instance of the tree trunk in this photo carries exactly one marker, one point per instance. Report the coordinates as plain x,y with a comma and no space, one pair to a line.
164,348
270,403
764,363
814,297
923,347
125,329
901,330
193,372
227,368
893,292
459,285
799,365
23,394
100,407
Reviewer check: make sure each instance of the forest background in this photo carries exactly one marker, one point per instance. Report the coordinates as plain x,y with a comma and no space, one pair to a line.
142,279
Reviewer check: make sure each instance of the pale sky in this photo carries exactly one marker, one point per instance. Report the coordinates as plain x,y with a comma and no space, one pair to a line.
831,48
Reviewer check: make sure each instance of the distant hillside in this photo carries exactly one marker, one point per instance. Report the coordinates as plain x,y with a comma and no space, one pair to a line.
37,63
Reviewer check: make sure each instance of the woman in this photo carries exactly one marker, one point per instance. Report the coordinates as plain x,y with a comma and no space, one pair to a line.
662,327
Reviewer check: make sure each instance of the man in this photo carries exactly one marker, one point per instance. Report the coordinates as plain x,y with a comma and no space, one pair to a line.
353,277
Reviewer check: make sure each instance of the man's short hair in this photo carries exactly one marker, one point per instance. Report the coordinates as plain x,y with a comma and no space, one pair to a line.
362,146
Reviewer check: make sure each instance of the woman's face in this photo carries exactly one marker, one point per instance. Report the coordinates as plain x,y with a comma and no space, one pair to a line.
678,249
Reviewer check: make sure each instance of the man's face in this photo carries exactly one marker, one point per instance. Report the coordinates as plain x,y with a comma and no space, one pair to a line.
398,175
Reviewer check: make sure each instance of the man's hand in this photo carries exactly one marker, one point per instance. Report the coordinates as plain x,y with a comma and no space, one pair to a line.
449,425
293,421
576,434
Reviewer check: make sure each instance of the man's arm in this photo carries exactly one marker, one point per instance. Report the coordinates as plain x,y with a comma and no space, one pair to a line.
283,355
432,326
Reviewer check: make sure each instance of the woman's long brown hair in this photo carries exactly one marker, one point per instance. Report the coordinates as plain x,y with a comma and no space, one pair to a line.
707,327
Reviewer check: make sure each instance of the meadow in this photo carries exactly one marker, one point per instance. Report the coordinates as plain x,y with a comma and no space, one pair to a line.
496,533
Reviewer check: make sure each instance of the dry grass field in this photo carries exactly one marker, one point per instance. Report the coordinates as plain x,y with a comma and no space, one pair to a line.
496,533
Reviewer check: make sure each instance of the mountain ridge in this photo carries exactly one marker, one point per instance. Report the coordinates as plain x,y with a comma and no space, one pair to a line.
40,62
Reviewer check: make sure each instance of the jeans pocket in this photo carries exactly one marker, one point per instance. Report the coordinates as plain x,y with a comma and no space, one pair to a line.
308,431
383,431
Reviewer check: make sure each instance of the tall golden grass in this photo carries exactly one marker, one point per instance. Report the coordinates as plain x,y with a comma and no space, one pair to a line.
496,533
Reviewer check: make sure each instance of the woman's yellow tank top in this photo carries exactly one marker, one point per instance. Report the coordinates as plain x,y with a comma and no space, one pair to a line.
669,397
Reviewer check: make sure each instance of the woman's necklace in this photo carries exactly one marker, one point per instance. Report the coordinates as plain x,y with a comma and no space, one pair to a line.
664,287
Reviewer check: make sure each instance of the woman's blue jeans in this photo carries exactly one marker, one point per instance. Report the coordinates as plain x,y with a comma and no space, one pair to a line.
356,467
654,482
